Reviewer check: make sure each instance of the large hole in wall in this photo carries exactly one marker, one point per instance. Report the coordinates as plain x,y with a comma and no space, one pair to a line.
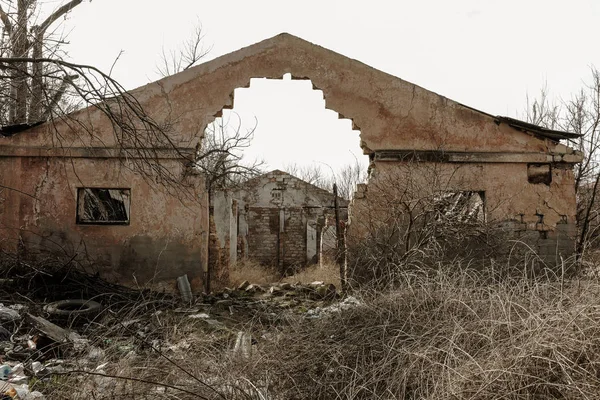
291,130
463,206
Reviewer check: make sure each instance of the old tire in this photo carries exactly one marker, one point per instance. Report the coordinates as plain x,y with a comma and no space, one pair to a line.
74,308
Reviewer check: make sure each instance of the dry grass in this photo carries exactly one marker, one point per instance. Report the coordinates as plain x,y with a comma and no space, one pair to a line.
449,335
328,273
251,271
255,273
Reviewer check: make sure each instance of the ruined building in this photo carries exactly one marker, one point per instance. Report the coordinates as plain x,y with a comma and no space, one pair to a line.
277,220
58,170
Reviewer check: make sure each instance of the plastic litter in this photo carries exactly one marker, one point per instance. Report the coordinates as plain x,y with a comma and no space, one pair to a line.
8,314
183,284
5,371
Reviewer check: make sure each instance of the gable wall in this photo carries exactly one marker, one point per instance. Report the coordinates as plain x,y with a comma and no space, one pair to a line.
392,114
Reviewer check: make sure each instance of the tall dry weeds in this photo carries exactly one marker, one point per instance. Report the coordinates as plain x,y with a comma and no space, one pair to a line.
452,334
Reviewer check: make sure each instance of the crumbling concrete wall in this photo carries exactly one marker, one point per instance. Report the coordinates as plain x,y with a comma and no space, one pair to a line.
525,209
395,117
38,219
45,168
511,163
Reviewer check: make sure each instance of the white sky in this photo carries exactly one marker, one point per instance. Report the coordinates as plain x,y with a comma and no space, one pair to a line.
487,54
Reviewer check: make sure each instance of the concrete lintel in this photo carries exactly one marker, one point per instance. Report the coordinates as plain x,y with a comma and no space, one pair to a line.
96,152
461,157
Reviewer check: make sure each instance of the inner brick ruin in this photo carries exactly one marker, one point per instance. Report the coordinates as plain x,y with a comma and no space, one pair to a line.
276,219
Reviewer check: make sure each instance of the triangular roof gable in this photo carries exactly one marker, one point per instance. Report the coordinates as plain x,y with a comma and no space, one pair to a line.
391,113
250,183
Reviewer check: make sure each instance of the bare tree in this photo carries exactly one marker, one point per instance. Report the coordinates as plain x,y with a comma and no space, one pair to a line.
413,216
188,54
220,156
349,176
38,84
580,114
33,88
315,174
346,178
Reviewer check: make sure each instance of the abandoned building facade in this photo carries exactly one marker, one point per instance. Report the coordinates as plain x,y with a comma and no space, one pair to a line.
65,178
279,221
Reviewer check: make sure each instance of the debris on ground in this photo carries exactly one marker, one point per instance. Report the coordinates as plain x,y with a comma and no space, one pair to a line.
44,338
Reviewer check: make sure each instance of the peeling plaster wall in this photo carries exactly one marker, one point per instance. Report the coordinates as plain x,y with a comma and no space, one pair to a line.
163,240
393,115
542,215
390,113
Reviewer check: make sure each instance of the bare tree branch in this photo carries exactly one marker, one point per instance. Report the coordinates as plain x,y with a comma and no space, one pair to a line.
188,55
57,14
6,21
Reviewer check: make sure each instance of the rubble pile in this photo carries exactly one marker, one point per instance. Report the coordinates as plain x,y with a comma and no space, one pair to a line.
40,340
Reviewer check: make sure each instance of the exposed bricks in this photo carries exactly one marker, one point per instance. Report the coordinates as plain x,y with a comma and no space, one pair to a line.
278,209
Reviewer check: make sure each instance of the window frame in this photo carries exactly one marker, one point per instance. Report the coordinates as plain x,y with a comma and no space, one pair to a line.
81,198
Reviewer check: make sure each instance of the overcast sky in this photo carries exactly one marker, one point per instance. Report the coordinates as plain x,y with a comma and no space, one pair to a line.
486,54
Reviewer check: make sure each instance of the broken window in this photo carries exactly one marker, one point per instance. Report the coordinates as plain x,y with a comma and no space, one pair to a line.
467,206
103,206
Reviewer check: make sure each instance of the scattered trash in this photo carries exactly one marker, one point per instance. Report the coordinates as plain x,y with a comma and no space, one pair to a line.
36,349
17,374
347,303
53,331
199,316
22,392
37,367
74,308
8,314
183,284
5,371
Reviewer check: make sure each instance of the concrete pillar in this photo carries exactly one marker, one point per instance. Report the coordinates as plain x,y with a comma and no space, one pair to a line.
311,241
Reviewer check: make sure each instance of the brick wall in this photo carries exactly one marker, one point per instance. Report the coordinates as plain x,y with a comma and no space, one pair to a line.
293,241
263,230
277,209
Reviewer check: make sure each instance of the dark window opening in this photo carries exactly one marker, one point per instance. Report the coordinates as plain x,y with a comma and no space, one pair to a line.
103,206
539,173
467,206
